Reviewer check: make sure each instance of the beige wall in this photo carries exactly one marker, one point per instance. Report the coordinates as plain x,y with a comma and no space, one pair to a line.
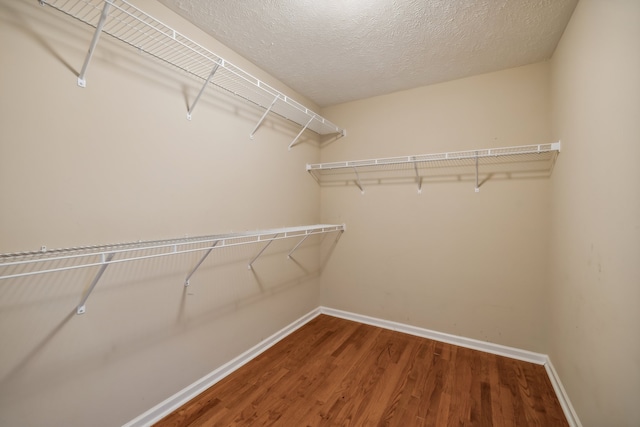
448,259
595,251
118,161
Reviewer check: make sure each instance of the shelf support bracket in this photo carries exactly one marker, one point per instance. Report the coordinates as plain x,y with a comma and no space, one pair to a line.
193,270
296,246
418,177
300,133
105,263
358,183
477,185
255,129
94,41
206,82
250,266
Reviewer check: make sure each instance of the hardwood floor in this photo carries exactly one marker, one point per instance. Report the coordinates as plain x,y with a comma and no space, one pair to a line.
335,372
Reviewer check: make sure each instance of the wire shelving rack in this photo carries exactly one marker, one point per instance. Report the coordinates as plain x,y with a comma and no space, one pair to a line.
22,264
538,158
125,22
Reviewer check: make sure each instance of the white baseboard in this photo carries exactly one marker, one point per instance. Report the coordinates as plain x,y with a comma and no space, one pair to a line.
569,412
164,408
174,402
487,347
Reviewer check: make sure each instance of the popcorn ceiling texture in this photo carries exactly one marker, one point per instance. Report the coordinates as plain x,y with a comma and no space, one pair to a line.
339,51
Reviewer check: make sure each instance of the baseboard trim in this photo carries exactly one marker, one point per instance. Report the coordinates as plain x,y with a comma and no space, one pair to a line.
487,347
172,403
169,405
563,397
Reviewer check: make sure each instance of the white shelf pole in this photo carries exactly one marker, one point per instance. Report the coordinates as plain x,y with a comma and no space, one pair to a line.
186,281
94,41
105,263
255,129
195,101
250,266
302,130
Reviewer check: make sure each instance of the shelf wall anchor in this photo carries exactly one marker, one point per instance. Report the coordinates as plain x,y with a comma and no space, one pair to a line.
206,82
105,263
250,266
300,133
94,41
193,270
255,129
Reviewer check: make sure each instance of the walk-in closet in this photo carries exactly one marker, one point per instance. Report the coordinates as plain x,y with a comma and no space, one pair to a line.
319,213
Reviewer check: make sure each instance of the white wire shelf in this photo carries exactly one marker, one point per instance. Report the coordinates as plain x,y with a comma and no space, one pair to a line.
125,22
524,159
22,264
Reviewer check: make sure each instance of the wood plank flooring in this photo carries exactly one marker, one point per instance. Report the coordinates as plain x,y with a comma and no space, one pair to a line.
335,372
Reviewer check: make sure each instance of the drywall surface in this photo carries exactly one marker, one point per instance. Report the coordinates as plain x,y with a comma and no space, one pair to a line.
118,161
595,251
449,259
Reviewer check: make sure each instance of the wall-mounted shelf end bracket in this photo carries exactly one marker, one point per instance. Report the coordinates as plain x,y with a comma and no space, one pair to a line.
255,129
206,82
193,270
106,259
301,130
250,265
296,246
94,42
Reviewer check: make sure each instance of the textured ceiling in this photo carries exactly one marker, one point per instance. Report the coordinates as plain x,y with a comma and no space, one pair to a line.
338,51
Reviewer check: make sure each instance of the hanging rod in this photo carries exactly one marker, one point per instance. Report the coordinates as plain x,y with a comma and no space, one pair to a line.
125,22
13,265
412,165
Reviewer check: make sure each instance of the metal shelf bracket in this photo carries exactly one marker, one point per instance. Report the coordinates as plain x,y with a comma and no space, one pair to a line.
105,263
300,133
94,41
193,270
297,245
250,265
263,117
206,82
